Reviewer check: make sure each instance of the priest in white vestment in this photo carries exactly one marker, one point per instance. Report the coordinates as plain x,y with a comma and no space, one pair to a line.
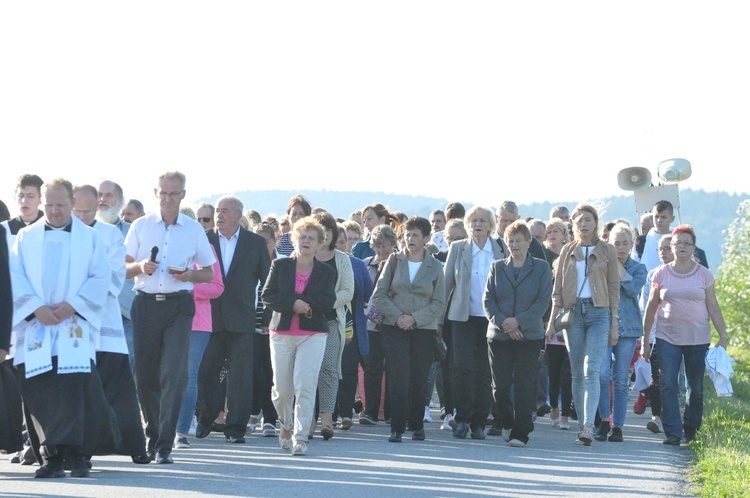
60,279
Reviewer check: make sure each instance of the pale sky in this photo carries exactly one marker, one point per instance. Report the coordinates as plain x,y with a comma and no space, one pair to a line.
477,101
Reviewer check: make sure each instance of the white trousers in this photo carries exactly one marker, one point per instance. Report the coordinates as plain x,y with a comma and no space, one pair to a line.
296,361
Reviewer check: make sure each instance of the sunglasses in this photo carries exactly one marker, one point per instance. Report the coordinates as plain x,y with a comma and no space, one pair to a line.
206,219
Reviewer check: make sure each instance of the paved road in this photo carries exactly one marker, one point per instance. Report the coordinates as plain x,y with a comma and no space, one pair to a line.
361,462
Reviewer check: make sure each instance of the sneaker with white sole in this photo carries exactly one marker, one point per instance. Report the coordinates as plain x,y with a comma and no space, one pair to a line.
516,443
446,426
427,417
181,442
506,435
655,426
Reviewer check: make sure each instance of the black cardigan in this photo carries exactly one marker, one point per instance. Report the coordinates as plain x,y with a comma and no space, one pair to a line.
279,295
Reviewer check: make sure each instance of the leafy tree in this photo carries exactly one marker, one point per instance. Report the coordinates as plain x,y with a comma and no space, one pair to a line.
733,280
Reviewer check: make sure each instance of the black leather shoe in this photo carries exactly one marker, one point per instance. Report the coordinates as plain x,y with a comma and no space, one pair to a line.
477,433
143,459
44,472
603,431
164,458
395,437
461,430
202,431
672,440
235,439
418,435
51,467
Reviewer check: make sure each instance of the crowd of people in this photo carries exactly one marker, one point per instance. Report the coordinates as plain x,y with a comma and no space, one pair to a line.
125,332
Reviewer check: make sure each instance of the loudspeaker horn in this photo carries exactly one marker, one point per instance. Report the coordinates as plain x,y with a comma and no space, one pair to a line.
674,170
634,178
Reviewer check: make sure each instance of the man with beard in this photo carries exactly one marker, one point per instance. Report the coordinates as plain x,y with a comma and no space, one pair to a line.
111,202
112,350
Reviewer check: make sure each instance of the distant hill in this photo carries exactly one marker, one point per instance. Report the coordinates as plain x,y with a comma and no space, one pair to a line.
709,212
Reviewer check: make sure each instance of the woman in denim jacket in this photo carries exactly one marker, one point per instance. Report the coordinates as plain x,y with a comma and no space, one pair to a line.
630,329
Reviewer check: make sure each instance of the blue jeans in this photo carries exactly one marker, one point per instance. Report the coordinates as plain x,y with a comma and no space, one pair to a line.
127,328
670,357
198,343
617,372
587,340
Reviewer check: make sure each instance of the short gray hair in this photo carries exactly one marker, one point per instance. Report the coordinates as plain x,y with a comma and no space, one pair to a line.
234,200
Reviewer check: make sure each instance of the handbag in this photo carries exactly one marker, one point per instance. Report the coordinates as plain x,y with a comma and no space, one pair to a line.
373,314
566,316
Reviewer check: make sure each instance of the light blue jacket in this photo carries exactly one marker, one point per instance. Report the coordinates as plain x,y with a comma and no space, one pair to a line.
631,319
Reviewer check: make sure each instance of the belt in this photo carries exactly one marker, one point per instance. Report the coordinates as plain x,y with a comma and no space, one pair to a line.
164,297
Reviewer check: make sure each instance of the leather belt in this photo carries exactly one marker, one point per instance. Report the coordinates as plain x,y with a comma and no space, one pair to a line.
164,297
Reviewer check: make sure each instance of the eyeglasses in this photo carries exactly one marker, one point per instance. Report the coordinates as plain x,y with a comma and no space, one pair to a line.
682,244
205,219
173,195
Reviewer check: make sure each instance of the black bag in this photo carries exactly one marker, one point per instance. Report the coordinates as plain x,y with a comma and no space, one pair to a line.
564,319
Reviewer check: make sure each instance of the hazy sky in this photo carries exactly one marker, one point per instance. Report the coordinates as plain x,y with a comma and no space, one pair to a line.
476,101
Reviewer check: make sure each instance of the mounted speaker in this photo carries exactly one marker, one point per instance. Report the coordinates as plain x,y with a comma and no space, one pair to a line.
674,170
634,178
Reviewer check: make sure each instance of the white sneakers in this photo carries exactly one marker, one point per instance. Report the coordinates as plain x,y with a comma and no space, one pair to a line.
427,417
447,423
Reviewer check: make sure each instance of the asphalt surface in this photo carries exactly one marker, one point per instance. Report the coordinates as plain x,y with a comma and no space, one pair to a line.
361,462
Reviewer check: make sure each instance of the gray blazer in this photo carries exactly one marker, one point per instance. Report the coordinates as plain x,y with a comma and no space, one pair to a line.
458,278
424,299
526,298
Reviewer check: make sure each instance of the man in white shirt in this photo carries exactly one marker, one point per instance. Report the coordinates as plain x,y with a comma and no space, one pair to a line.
162,249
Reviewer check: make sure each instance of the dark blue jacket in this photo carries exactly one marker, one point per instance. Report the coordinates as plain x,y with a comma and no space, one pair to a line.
364,290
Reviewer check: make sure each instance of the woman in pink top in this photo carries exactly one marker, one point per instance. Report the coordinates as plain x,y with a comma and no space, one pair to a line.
683,298
202,327
300,290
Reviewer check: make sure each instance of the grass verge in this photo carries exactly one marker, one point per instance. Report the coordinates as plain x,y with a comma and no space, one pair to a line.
722,446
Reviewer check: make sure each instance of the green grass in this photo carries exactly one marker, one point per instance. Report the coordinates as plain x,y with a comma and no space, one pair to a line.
722,447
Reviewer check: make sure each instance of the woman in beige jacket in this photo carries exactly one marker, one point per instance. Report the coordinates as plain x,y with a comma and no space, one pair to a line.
588,281
410,295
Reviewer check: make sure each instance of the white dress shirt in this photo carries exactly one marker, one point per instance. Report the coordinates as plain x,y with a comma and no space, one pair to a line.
228,246
481,260
181,245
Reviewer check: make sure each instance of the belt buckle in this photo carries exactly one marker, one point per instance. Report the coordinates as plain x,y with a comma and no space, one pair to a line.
160,297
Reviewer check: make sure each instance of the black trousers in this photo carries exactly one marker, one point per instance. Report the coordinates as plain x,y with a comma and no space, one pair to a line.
409,354
560,390
161,336
237,348
376,365
472,393
515,364
446,368
263,379
350,361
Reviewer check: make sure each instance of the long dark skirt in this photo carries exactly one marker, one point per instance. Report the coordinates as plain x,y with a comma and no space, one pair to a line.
119,391
69,410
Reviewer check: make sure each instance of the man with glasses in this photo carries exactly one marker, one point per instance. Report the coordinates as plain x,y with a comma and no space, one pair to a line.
205,215
167,253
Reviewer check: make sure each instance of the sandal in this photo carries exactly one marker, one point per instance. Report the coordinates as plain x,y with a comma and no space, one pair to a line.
555,422
300,449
